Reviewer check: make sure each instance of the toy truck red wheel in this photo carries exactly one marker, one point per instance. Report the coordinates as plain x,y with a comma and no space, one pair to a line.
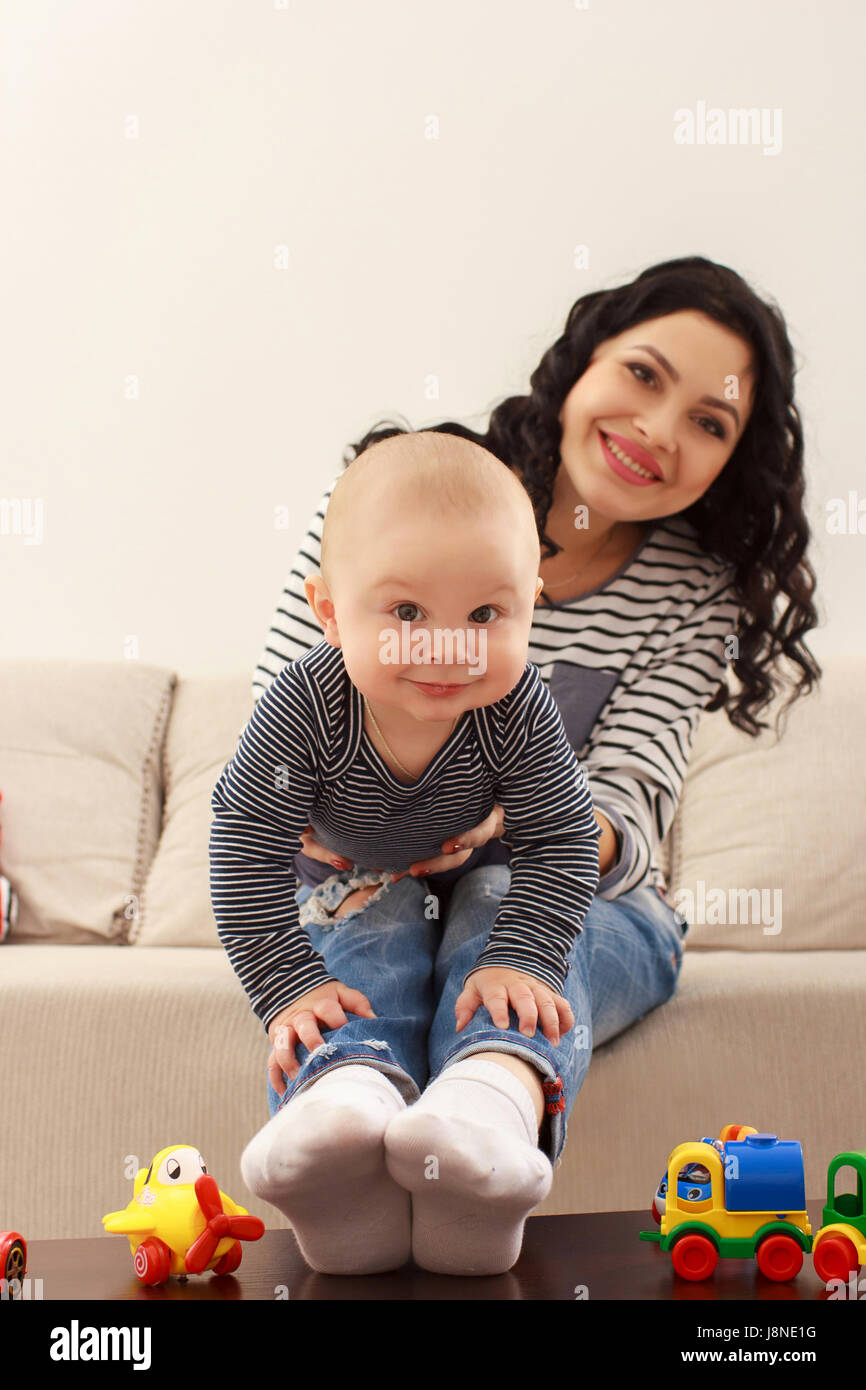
779,1257
13,1255
694,1256
152,1261
835,1257
229,1261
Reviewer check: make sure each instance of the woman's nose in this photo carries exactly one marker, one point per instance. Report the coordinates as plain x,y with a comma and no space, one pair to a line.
657,433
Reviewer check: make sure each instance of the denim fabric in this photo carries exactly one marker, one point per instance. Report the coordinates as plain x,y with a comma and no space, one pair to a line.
411,967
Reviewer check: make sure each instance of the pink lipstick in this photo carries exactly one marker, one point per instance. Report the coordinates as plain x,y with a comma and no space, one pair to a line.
637,455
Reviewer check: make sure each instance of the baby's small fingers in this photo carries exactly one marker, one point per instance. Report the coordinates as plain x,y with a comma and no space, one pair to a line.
307,1029
550,1020
330,1012
275,1074
526,1009
356,1003
465,1006
284,1052
496,1003
566,1015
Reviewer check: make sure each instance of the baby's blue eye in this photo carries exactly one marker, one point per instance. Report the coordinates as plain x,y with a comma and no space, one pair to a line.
413,607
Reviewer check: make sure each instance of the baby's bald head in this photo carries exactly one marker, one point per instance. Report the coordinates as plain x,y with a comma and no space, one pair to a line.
430,477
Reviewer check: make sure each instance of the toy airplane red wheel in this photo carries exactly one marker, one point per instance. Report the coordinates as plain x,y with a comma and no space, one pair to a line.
780,1257
230,1260
835,1257
694,1256
152,1261
13,1255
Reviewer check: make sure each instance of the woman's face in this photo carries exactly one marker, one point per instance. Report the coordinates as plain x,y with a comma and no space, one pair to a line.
674,395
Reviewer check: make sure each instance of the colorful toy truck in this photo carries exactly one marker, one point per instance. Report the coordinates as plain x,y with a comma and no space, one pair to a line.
754,1206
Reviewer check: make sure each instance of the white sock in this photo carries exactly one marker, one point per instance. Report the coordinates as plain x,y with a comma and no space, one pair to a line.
468,1152
321,1161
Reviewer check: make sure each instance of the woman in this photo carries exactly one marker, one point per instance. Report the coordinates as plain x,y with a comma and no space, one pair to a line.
662,451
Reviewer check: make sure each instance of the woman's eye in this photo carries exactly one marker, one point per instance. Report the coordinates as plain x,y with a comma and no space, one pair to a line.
717,430
403,618
635,367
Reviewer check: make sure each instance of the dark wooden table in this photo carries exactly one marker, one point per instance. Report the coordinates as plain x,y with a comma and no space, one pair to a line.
564,1258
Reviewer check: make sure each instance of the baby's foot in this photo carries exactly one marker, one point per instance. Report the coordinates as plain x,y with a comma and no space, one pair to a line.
321,1161
468,1152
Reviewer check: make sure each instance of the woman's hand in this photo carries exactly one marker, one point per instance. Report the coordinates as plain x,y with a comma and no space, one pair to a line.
455,851
313,850
497,986
299,1022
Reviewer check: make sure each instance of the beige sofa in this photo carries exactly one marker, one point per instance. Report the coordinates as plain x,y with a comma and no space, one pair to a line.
125,1029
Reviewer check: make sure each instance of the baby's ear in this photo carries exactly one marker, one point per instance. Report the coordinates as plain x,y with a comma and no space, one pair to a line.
316,591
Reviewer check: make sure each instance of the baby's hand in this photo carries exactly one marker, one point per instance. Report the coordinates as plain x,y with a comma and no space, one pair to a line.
495,986
298,1022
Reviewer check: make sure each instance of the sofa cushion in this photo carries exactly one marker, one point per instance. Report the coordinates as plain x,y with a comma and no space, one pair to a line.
767,844
207,719
80,753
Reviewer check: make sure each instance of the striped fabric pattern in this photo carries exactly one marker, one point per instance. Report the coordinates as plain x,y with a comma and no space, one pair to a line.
304,756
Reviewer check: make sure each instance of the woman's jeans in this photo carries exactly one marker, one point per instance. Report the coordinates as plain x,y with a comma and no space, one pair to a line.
411,967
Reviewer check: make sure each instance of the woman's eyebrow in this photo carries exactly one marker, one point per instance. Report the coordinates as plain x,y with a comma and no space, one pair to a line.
675,376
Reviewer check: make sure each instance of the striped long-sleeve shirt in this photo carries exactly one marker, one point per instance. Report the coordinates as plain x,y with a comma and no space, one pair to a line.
304,756
631,665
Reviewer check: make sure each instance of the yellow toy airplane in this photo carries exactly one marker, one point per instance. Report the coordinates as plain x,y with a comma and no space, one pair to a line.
179,1222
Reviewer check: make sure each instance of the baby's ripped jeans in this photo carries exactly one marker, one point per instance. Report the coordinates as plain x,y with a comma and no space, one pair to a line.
411,964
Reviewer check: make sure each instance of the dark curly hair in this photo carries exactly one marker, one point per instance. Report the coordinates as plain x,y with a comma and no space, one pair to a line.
751,516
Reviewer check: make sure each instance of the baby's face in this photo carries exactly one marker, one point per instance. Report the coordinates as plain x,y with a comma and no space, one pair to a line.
422,604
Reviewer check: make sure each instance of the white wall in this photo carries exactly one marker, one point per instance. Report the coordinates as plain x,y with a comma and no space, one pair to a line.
305,125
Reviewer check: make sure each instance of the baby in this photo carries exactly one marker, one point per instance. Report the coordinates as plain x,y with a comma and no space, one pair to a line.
415,714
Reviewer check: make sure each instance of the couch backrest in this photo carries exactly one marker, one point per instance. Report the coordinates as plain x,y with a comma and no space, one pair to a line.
766,852
768,848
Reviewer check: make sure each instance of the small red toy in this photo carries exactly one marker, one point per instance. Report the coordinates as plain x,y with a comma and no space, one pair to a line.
13,1257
